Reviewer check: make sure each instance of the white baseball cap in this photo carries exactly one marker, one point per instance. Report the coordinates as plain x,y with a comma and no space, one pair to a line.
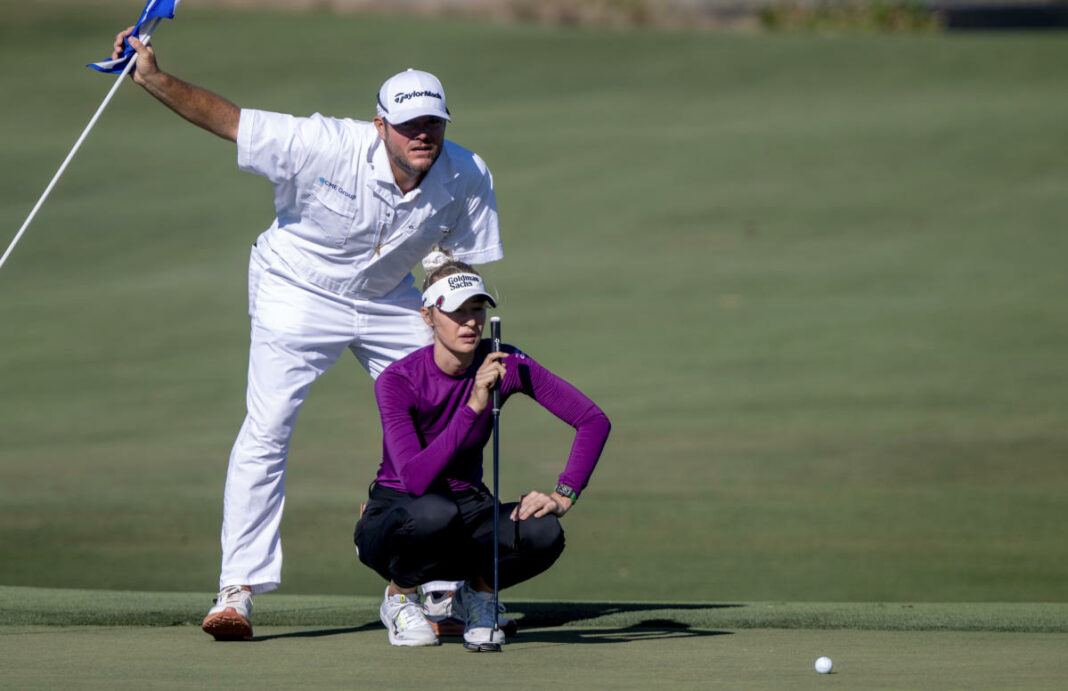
447,294
409,95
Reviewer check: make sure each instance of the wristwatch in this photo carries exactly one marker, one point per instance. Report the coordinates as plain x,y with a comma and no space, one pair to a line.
566,491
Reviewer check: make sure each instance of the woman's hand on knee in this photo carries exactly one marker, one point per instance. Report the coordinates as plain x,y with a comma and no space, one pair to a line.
537,504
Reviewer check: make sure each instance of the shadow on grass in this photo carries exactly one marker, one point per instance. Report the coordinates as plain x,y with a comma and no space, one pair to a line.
319,633
653,629
548,622
643,631
628,614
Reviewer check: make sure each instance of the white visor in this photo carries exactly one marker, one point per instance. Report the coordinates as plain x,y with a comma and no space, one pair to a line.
447,294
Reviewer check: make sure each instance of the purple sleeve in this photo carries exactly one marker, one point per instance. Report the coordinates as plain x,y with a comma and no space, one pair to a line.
416,467
570,405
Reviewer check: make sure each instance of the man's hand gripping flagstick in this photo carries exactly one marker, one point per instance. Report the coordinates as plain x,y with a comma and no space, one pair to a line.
155,10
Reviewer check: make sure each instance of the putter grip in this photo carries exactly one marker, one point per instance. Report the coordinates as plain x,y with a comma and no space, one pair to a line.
495,339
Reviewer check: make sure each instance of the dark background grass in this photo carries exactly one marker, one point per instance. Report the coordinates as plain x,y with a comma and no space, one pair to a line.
817,284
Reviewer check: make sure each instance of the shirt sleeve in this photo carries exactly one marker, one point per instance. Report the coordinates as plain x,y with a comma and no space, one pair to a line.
279,146
477,236
568,404
415,466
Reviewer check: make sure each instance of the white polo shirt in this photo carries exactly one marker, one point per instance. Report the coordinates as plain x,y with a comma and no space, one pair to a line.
342,223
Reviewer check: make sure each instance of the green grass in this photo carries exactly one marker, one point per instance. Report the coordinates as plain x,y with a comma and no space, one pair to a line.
21,606
102,639
294,657
816,283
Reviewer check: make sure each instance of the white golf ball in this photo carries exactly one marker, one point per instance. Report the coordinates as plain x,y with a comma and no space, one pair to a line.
824,665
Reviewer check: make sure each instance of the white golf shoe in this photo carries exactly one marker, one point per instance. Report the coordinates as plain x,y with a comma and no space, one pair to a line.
480,616
507,624
437,604
405,621
229,619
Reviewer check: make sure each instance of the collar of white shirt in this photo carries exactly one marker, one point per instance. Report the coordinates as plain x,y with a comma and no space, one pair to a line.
437,184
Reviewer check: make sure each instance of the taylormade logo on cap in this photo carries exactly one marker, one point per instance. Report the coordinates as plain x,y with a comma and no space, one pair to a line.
411,94
401,98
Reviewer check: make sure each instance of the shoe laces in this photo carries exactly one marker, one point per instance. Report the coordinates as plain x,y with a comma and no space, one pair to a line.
438,596
231,595
410,614
479,611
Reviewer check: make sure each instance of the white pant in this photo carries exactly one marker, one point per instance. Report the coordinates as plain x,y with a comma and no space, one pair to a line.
298,332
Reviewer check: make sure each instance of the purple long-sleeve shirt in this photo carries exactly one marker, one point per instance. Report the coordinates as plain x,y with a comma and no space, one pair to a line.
431,437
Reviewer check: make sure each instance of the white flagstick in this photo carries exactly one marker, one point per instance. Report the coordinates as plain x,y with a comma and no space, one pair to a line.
107,99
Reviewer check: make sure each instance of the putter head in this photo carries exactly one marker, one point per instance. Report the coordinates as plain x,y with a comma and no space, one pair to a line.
482,647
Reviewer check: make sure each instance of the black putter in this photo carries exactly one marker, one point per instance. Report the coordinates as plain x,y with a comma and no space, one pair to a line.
495,338
491,647
495,335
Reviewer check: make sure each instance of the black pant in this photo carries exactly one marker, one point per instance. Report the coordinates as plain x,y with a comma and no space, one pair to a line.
449,536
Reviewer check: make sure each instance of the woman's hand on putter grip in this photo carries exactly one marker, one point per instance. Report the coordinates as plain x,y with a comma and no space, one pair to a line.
537,505
491,371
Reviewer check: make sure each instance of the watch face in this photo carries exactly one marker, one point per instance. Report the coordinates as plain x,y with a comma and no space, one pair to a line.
565,491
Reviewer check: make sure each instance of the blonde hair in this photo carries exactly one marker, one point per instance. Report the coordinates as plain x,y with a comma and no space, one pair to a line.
439,264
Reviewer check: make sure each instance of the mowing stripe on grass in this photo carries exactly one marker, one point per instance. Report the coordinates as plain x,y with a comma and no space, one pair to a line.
35,606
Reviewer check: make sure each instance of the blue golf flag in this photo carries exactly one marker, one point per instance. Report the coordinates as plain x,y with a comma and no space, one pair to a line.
155,10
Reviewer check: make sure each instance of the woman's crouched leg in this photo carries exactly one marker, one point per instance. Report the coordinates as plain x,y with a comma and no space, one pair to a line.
411,540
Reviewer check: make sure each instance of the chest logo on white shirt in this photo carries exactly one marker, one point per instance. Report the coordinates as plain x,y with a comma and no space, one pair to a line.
323,181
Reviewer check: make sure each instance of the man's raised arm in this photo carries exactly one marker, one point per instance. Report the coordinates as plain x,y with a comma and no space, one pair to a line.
199,106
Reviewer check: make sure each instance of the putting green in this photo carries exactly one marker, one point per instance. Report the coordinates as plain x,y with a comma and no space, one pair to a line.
123,639
40,657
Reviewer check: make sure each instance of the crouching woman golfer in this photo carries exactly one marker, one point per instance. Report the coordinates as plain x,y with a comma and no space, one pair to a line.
429,515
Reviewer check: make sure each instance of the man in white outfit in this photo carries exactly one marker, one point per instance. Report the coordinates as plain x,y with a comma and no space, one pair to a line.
358,204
